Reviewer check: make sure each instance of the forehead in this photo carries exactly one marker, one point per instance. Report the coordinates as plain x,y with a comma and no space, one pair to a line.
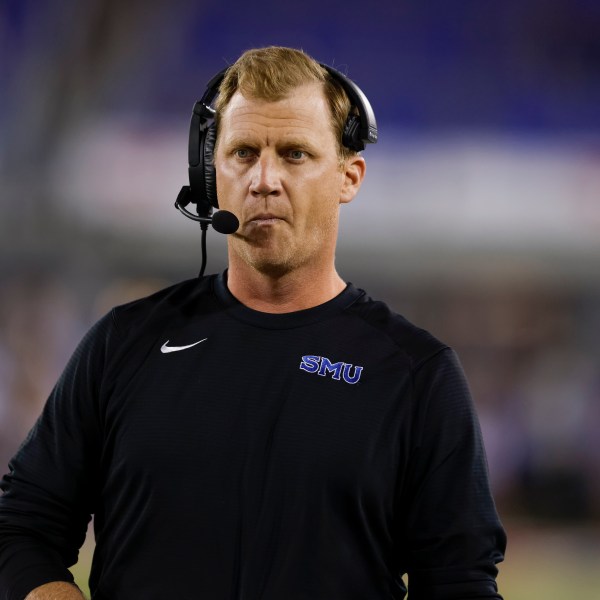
305,110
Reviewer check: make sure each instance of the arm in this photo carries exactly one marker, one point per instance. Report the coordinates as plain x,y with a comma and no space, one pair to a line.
56,591
451,536
50,491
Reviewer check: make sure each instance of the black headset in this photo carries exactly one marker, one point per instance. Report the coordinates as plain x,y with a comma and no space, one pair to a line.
360,129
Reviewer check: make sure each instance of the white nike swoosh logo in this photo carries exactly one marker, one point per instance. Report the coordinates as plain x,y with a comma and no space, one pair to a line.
165,348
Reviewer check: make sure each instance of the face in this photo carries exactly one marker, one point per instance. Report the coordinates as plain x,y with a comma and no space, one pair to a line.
279,172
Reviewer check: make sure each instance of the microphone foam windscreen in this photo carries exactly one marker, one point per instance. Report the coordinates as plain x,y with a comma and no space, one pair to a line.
225,222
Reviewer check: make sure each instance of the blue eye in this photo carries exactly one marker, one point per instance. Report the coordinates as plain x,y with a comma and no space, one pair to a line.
242,153
296,154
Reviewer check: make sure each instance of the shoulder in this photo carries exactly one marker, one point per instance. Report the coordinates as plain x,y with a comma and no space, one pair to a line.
188,297
415,343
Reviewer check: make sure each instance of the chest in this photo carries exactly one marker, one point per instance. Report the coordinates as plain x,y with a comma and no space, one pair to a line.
296,406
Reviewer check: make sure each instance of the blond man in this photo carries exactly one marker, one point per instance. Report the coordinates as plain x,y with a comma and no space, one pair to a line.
270,432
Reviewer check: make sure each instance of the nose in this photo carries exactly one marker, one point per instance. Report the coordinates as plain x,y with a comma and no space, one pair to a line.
265,177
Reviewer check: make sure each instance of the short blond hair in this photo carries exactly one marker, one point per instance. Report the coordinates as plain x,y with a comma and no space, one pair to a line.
272,73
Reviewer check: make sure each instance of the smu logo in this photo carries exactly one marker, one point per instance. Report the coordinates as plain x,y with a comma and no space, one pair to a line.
339,370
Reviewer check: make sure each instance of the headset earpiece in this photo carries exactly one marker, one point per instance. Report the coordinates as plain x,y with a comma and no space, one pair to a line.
210,175
200,155
360,129
350,134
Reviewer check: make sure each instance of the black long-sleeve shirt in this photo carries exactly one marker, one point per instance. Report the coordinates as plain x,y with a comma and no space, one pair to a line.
230,454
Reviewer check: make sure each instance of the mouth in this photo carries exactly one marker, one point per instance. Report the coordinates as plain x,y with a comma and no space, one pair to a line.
264,219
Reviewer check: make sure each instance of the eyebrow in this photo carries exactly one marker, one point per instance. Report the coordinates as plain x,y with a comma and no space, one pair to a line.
287,143
297,142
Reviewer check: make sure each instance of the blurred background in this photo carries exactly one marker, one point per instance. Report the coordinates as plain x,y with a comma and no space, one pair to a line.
479,218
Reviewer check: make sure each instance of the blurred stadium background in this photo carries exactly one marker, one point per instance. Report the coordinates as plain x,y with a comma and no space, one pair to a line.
479,218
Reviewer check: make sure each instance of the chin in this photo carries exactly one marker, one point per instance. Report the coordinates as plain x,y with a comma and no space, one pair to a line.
273,260
273,268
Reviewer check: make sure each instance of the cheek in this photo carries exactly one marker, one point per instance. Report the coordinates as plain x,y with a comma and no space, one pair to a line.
325,182
227,181
323,210
224,173
325,193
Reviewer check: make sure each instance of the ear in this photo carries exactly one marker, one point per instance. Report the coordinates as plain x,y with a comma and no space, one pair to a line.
354,171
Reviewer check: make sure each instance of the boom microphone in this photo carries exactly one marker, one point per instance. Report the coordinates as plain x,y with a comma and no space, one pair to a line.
225,222
222,221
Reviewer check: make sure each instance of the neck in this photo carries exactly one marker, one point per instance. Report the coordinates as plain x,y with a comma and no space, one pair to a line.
303,288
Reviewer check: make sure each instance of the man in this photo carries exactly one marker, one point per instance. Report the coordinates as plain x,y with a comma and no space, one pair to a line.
268,433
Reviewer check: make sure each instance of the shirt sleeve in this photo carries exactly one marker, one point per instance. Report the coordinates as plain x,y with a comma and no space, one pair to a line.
450,537
48,494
